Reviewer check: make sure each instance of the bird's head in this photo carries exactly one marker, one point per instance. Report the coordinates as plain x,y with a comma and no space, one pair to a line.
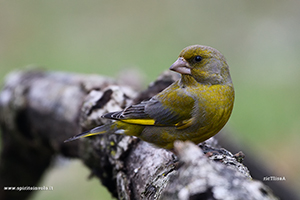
205,64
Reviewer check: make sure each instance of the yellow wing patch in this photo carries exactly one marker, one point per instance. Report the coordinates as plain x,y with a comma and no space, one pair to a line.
151,122
145,122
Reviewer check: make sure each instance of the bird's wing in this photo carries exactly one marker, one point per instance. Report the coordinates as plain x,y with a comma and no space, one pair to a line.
134,114
157,112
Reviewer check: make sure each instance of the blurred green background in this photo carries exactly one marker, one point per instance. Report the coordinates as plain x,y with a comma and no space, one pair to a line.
260,39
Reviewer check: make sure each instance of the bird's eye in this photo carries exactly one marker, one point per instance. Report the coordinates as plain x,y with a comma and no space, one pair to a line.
198,58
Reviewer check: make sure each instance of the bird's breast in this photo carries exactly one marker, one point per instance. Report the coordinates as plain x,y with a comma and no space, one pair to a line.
214,105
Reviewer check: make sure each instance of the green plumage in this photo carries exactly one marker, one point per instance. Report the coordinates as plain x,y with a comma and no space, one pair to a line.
194,108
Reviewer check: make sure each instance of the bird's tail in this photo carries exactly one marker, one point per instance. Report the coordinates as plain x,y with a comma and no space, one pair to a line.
95,131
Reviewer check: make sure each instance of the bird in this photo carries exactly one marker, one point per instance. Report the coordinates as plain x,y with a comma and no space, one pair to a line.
194,108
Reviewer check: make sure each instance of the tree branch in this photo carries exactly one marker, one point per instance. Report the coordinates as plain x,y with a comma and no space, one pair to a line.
39,110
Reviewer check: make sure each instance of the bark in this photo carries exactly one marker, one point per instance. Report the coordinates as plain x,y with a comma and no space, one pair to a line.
39,110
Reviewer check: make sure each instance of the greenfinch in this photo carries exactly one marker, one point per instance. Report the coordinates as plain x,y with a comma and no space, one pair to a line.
195,108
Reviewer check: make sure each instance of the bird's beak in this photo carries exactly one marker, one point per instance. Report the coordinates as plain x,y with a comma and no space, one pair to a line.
181,66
